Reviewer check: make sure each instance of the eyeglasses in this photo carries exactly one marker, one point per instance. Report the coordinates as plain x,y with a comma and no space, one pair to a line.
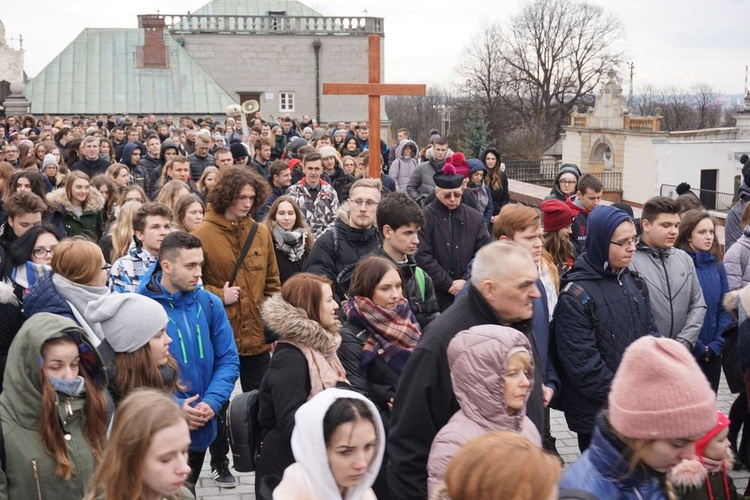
107,267
41,252
367,203
452,195
567,182
627,243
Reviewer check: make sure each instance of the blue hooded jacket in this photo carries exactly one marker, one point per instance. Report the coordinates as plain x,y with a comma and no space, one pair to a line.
714,284
203,346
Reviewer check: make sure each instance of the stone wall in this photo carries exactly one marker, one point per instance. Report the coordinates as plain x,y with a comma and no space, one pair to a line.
245,61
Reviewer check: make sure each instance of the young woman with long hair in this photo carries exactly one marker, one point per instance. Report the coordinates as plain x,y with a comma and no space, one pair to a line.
495,179
338,443
108,189
208,180
53,411
115,244
188,212
557,221
29,257
120,175
79,206
652,423
146,456
135,328
302,318
134,192
171,192
106,149
697,237
292,237
22,180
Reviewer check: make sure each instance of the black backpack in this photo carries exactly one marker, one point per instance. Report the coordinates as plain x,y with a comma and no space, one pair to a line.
244,430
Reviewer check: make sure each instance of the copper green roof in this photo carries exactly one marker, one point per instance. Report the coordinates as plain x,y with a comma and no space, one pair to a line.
97,73
255,8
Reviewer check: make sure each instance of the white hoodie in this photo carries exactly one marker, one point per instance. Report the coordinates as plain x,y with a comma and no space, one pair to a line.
310,478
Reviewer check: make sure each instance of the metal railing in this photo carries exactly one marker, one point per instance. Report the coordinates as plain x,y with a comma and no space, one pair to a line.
711,200
543,172
281,25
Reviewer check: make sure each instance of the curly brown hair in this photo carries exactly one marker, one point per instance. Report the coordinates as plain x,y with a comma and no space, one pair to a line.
231,182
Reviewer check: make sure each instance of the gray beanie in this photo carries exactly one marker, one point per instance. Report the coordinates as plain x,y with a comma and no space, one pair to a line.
327,151
129,321
49,159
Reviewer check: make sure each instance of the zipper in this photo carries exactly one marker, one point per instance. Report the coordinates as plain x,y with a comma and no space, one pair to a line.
669,296
35,469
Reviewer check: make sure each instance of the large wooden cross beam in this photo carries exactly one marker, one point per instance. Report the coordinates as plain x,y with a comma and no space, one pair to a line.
373,89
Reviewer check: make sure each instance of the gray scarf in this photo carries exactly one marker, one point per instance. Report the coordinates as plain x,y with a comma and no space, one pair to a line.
292,243
79,297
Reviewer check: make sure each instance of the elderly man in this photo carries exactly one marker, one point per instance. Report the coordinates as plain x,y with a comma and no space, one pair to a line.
502,292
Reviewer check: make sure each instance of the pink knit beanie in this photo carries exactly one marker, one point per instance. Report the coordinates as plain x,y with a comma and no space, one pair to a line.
659,392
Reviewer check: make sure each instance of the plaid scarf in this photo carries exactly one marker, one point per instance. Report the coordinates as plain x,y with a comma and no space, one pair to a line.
392,334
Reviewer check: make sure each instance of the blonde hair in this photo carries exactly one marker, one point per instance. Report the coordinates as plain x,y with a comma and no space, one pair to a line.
202,181
501,465
121,230
168,194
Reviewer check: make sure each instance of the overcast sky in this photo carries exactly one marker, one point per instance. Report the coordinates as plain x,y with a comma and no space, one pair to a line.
671,42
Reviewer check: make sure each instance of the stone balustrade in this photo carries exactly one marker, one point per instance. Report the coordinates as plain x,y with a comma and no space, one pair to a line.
282,25
643,123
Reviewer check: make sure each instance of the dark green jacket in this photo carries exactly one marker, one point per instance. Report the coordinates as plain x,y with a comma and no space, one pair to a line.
29,472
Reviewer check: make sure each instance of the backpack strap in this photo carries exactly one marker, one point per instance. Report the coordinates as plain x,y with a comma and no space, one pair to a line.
580,293
419,275
207,306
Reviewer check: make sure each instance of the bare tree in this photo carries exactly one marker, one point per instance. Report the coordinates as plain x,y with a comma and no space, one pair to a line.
705,102
646,101
483,69
676,109
556,52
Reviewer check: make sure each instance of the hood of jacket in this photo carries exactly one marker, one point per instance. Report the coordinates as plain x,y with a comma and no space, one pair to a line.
291,323
744,192
476,165
703,259
437,164
602,222
495,151
574,203
478,361
309,447
94,202
402,145
165,145
22,387
152,288
211,217
127,152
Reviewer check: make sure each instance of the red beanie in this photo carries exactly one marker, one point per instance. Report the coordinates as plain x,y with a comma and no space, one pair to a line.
555,215
458,160
660,392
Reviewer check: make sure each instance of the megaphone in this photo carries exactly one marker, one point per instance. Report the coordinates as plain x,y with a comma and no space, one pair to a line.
233,110
250,106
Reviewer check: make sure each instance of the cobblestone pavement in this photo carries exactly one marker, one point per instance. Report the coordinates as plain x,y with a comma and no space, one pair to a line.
567,445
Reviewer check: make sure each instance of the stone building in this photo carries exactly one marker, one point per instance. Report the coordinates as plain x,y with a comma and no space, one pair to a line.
278,52
11,64
634,156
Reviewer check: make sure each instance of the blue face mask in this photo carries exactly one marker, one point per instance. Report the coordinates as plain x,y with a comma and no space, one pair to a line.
67,386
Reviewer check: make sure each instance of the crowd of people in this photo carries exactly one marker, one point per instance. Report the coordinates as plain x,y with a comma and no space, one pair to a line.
407,335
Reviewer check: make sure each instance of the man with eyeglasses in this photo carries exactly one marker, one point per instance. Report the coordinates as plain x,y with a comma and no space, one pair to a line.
450,237
337,252
603,307
676,294
11,156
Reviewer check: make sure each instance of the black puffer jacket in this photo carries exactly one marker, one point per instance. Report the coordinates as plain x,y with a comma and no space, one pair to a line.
425,309
337,252
590,348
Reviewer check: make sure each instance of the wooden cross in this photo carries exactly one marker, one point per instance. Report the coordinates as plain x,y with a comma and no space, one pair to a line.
373,89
